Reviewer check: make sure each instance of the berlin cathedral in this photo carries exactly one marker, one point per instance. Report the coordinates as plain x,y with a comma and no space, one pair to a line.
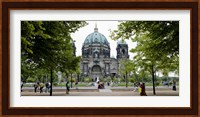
96,61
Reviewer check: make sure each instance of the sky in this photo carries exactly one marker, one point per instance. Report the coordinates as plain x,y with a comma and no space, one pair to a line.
103,28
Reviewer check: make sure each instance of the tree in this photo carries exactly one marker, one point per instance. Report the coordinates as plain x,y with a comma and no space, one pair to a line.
47,44
115,80
71,66
164,34
126,67
157,45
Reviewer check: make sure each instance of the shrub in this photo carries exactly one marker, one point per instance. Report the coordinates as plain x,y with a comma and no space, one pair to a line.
157,83
55,83
87,79
122,79
131,80
115,80
101,79
108,79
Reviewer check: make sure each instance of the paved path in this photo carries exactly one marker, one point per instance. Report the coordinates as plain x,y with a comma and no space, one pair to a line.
108,91
95,89
105,90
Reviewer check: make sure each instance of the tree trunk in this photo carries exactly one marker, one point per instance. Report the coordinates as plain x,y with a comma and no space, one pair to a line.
153,79
67,76
51,80
78,77
126,80
71,80
43,78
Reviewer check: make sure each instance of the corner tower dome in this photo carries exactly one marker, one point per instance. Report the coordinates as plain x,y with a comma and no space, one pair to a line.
122,41
96,38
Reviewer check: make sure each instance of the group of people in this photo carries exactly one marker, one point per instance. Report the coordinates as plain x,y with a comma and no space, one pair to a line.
40,86
140,87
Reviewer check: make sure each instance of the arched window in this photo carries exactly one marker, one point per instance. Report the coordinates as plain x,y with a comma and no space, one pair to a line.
123,51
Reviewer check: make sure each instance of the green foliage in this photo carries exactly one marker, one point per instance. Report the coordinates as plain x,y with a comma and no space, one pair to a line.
165,34
87,79
108,79
132,80
126,66
157,45
115,80
170,83
101,79
157,83
82,85
31,80
164,79
55,84
121,84
122,79
48,45
72,80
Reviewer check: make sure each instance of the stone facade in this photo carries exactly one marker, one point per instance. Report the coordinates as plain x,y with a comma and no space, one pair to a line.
96,60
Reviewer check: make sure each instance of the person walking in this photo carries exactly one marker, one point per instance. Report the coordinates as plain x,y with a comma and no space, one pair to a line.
136,87
76,84
36,85
67,87
174,85
143,92
22,84
47,87
41,87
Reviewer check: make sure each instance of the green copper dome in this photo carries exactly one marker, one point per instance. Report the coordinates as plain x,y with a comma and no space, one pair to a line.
96,37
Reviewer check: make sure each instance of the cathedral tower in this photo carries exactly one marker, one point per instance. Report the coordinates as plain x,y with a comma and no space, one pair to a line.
122,49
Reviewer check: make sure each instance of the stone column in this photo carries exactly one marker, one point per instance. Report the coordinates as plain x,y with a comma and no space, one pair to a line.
83,67
109,68
86,69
